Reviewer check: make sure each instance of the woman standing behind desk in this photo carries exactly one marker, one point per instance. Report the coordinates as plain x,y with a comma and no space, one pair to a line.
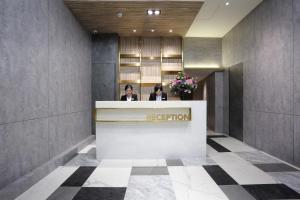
158,94
129,96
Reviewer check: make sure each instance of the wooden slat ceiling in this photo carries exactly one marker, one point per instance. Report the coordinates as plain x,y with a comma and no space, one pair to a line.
102,16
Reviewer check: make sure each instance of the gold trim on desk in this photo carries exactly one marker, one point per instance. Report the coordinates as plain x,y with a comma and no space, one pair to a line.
154,117
150,121
154,108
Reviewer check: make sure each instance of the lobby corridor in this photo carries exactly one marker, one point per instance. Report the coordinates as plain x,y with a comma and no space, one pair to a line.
87,83
232,170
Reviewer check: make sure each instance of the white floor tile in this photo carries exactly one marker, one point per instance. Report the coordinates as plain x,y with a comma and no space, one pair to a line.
257,157
45,187
211,151
150,188
149,163
227,158
198,161
115,163
87,148
83,159
133,163
242,171
233,144
194,183
108,177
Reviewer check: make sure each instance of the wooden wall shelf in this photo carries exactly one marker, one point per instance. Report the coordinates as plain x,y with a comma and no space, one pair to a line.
142,53
129,81
172,56
175,71
151,58
130,65
129,56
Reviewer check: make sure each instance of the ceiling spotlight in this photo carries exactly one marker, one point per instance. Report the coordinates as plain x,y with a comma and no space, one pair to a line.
134,30
227,3
120,14
152,30
153,12
170,31
157,12
150,12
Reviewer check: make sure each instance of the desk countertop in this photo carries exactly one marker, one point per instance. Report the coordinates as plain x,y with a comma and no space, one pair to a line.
146,104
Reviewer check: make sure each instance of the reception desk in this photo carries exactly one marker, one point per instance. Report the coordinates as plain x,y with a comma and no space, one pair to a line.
150,129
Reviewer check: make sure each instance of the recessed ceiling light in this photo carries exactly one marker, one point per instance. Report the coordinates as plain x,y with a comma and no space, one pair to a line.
157,12
153,12
150,12
134,30
227,3
120,14
170,30
152,30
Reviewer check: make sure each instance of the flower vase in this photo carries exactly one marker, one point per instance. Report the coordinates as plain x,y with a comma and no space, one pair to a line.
186,96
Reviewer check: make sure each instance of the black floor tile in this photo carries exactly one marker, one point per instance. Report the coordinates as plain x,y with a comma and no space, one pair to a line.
216,136
271,191
101,193
236,192
79,176
149,171
276,167
219,175
216,146
64,193
176,162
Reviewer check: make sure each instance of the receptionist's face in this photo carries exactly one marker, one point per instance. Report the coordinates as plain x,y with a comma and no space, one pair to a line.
128,92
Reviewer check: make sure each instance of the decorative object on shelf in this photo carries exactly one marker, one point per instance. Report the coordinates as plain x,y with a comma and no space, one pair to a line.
184,86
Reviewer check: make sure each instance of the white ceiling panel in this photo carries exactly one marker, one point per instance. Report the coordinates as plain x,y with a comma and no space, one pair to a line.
215,19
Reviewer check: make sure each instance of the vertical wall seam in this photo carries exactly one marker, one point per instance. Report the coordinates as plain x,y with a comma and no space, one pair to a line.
48,77
293,78
255,75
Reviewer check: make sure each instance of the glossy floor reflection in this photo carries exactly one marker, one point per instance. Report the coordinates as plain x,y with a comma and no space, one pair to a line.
232,170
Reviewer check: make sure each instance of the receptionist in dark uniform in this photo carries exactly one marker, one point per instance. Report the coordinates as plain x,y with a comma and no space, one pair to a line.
158,94
129,96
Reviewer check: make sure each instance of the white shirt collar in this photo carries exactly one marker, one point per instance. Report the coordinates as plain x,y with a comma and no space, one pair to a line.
129,98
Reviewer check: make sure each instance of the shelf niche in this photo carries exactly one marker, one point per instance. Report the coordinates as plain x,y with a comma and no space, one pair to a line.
147,61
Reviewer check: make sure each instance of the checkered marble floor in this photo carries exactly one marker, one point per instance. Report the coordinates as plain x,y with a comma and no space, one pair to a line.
232,170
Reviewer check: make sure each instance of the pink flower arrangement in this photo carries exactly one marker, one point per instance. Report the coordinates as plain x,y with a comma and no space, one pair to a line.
183,83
